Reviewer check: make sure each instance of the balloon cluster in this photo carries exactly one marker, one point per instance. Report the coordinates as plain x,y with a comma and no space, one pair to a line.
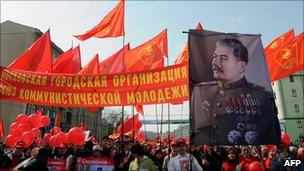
75,136
26,129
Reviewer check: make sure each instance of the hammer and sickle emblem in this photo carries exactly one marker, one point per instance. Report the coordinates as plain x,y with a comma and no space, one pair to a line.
146,54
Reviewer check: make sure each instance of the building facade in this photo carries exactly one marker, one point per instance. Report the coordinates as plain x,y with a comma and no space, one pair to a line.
289,95
15,39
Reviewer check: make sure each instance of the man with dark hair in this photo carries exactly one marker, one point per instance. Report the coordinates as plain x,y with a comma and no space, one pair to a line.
226,111
141,161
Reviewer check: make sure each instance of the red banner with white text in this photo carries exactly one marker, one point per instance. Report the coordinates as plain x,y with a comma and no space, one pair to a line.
165,85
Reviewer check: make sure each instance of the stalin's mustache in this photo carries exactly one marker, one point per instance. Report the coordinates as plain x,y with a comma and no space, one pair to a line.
216,68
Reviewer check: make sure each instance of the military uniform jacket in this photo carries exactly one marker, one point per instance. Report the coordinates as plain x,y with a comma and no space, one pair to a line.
240,113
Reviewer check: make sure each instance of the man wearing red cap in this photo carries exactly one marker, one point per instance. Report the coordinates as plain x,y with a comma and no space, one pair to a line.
183,161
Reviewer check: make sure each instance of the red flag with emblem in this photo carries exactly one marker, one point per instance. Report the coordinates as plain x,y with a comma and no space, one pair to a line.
37,58
112,25
279,42
184,56
286,60
68,63
115,63
148,55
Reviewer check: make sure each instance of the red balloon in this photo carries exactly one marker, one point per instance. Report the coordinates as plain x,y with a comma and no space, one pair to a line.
21,118
22,128
28,138
55,130
33,121
60,137
66,140
256,166
286,140
45,120
10,140
76,136
47,137
13,127
36,132
52,140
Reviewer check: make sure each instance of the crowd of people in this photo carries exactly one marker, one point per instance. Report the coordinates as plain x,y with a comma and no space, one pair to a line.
178,155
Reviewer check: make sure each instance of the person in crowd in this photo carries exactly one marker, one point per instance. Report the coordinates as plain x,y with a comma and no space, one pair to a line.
232,160
97,151
38,162
123,159
184,160
141,161
174,152
158,158
16,156
212,160
106,144
61,152
246,158
272,154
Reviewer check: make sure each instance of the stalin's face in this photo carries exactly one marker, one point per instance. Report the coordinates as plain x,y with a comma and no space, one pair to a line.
226,67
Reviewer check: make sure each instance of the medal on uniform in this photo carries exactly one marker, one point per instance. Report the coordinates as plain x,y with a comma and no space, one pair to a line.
229,108
206,105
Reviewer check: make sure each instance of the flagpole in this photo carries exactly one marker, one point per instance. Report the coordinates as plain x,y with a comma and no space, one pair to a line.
161,121
122,107
157,130
133,123
168,112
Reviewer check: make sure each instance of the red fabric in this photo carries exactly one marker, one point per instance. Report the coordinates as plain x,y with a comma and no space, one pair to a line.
228,166
148,55
37,58
1,129
92,67
139,109
268,163
245,162
279,42
114,63
128,125
68,63
112,25
286,60
140,137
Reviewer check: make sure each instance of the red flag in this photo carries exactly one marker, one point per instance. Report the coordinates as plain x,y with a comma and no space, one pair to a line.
140,137
128,125
148,55
286,60
92,67
114,63
279,42
37,58
68,63
112,25
1,129
184,56
139,109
